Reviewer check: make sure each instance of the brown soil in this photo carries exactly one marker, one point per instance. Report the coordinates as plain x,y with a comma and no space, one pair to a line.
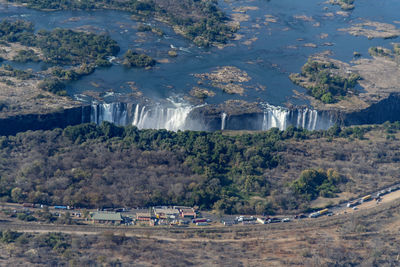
24,97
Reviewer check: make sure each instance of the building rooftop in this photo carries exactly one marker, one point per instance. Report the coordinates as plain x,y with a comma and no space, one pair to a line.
187,211
166,211
143,214
107,216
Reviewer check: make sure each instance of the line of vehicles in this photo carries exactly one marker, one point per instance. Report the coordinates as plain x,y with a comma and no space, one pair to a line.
320,213
376,197
260,220
248,220
201,222
32,205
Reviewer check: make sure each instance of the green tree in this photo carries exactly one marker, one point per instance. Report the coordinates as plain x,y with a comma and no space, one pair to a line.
17,194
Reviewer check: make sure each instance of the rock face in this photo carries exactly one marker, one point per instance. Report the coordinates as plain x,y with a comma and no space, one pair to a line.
244,116
58,119
387,109
260,118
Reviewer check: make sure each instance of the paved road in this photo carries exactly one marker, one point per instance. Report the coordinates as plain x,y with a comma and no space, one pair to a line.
212,234
393,194
337,210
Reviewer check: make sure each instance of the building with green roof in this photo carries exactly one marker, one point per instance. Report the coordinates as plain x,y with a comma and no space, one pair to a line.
106,217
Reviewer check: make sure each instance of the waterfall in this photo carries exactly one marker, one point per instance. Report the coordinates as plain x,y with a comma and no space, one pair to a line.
174,116
136,115
305,118
112,112
170,117
141,117
223,121
275,117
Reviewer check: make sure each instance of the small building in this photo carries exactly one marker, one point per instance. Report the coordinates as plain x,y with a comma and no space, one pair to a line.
143,216
188,213
164,213
107,217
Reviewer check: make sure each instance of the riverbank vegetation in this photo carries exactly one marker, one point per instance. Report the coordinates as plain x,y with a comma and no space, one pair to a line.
344,4
148,28
67,47
75,54
59,46
325,81
110,166
200,21
382,52
24,56
73,74
10,71
54,86
134,59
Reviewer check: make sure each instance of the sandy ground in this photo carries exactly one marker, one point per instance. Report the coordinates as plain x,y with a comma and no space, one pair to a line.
24,97
9,51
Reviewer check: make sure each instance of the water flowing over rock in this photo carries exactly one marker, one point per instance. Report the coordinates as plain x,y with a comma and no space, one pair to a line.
111,112
301,118
176,116
172,117
223,121
169,118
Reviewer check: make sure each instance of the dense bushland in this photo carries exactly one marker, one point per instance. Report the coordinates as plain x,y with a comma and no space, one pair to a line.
100,166
92,166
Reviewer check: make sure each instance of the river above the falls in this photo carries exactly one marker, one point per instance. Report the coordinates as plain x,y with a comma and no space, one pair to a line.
274,40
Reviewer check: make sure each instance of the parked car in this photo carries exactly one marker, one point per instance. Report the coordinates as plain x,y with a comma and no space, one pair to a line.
274,220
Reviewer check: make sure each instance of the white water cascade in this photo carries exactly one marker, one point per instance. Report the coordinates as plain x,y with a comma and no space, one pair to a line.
136,115
301,118
174,116
170,118
223,121
112,112
275,117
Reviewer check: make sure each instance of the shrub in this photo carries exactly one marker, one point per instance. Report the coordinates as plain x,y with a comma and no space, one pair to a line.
133,59
54,86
